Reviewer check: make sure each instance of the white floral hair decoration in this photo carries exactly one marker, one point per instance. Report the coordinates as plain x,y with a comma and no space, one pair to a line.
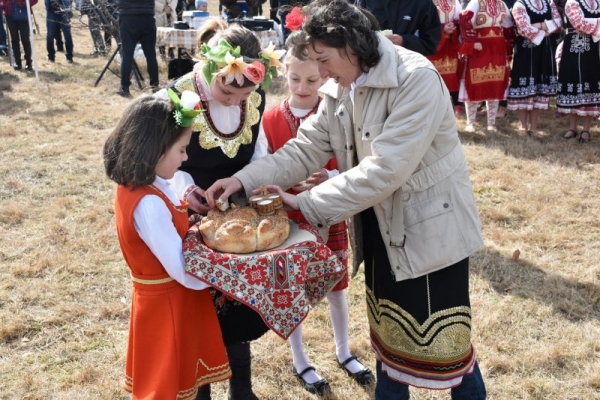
186,108
225,61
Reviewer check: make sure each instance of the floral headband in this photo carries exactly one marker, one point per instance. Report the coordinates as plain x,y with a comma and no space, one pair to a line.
225,61
295,19
187,107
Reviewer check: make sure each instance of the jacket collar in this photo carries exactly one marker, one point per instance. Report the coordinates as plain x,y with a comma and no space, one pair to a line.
383,75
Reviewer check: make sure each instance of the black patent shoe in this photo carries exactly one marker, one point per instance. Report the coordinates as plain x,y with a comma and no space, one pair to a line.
28,67
364,377
584,137
320,387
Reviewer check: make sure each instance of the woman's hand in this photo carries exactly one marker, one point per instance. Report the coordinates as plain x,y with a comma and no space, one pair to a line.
288,199
197,202
222,189
477,46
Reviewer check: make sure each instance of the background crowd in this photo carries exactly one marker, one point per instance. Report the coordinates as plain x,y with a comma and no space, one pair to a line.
508,54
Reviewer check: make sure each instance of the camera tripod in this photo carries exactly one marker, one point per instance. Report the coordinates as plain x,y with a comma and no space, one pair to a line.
135,70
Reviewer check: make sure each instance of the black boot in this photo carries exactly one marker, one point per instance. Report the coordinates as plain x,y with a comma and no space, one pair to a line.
203,393
240,385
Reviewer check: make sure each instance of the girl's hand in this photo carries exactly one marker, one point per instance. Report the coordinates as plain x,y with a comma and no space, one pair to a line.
301,187
288,199
197,202
318,177
477,46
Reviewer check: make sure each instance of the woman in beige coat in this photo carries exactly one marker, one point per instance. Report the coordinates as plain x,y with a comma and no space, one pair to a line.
387,117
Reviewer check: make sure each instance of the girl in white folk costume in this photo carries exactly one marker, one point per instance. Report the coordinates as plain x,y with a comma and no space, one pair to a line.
486,29
225,138
445,58
579,68
533,77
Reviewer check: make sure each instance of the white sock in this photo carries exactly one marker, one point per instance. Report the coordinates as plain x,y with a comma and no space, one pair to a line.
471,111
300,359
338,312
492,111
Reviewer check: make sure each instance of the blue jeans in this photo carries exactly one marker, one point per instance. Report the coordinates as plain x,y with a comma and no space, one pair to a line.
471,388
54,22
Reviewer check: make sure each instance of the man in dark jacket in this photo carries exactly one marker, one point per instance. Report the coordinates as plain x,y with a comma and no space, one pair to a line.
415,24
136,24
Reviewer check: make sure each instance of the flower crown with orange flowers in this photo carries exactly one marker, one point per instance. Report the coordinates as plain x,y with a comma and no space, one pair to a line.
225,61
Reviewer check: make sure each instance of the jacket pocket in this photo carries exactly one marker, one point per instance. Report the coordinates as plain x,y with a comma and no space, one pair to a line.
433,236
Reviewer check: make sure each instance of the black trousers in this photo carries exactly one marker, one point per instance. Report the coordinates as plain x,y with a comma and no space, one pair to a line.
19,30
136,29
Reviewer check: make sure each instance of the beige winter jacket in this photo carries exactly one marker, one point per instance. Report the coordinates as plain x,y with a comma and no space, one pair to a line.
398,151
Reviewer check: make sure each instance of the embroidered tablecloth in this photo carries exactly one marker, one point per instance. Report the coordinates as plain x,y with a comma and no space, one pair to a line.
280,284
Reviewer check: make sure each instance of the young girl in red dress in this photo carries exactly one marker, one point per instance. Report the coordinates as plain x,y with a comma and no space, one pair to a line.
175,343
280,125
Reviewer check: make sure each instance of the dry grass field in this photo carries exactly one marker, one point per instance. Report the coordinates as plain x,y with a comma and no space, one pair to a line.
65,290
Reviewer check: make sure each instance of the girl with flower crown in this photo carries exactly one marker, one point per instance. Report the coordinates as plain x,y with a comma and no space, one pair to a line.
225,138
175,342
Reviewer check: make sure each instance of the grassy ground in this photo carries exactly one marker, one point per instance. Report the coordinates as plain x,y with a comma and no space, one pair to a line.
65,290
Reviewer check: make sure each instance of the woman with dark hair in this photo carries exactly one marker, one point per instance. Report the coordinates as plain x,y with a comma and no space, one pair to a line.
225,138
387,117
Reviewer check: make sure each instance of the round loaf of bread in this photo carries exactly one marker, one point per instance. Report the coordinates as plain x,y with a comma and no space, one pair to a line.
243,230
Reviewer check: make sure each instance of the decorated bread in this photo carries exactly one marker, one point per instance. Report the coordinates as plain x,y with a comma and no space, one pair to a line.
244,230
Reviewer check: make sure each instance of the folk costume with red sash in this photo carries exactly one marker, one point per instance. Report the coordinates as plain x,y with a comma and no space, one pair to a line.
280,125
445,58
175,344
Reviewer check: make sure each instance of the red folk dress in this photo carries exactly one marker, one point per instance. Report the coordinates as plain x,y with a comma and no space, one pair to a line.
445,58
487,72
175,343
281,125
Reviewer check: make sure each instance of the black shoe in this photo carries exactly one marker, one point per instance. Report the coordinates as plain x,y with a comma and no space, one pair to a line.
584,137
51,59
363,377
320,387
124,92
17,67
28,67
70,60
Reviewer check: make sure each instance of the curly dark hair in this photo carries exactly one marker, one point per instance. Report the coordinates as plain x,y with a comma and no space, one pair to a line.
341,25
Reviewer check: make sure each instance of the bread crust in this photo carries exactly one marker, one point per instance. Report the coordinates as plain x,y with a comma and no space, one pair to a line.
243,230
